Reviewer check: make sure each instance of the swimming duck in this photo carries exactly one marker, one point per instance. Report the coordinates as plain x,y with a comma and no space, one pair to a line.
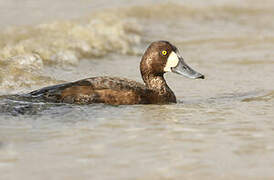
159,58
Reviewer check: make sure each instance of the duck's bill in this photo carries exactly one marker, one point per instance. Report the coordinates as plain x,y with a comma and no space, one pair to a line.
183,69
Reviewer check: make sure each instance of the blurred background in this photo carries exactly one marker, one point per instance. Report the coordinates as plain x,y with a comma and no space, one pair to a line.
222,127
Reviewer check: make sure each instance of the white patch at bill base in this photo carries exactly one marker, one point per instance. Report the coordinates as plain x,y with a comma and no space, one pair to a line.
172,61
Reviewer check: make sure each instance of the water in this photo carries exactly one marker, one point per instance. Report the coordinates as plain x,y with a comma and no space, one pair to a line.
221,128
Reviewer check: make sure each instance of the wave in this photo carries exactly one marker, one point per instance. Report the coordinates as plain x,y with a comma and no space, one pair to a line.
110,30
176,10
25,51
67,42
269,96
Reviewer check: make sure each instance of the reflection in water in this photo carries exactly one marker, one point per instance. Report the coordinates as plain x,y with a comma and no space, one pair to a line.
175,138
21,105
27,105
222,123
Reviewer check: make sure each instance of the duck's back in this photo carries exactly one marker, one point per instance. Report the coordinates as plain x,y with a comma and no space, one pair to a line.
109,90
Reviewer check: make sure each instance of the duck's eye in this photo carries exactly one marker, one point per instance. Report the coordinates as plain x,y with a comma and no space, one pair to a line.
164,53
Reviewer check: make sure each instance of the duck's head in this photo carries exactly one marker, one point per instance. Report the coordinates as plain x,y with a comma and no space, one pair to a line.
161,57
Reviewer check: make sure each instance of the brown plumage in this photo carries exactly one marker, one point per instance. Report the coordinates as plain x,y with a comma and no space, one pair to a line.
116,91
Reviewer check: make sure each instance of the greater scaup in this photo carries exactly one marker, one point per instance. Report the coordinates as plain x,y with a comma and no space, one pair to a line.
159,58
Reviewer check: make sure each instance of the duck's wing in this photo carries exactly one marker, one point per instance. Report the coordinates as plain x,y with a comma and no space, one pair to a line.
108,90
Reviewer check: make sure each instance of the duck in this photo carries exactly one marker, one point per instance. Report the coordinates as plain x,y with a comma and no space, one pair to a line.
159,58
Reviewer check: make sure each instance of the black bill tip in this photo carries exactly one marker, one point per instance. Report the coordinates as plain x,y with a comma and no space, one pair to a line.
201,77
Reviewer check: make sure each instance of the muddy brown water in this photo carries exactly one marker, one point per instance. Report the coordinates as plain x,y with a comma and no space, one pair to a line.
221,128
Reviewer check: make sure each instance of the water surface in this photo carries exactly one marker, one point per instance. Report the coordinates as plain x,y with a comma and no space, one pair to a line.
221,128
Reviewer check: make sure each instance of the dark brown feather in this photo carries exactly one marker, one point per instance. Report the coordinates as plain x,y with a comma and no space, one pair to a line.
112,90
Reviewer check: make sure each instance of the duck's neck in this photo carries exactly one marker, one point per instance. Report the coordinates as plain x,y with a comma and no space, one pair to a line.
158,84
